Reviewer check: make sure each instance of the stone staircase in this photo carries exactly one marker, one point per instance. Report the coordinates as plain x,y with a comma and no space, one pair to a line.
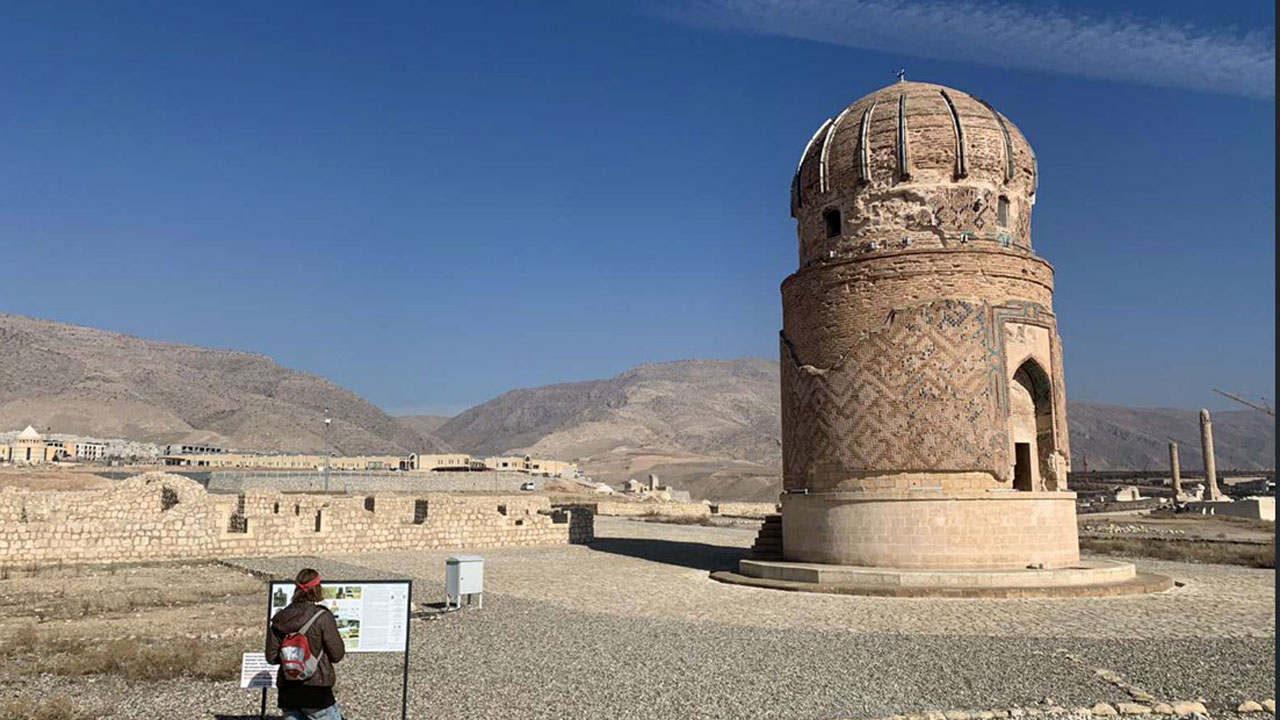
768,545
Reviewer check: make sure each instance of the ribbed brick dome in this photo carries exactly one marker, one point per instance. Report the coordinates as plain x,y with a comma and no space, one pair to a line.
891,164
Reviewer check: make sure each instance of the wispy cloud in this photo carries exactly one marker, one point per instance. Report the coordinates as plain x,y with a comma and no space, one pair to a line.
1226,61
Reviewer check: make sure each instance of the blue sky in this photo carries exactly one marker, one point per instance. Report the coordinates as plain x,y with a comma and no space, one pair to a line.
434,203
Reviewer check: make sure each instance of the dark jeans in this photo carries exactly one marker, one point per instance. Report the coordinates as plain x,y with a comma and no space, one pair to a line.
330,713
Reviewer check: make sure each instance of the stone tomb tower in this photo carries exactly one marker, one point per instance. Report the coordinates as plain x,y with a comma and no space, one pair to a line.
923,411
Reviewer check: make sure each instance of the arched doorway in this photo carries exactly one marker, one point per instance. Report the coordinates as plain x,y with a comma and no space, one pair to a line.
1031,427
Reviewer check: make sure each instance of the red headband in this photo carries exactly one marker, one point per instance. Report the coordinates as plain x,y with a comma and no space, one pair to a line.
310,583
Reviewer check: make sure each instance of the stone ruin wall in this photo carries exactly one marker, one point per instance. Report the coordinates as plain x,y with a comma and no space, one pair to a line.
372,481
161,517
745,509
684,510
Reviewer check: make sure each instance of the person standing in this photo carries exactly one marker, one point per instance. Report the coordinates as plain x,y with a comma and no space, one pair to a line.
308,695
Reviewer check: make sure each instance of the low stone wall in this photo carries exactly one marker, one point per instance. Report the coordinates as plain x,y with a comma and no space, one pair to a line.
743,509
158,516
660,509
684,510
358,482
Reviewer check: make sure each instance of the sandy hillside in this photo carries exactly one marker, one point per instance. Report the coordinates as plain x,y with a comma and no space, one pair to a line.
91,382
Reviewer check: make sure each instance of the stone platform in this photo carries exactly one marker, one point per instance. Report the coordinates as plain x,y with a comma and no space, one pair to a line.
937,527
1087,578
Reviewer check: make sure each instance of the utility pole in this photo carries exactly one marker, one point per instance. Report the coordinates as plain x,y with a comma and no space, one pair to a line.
328,449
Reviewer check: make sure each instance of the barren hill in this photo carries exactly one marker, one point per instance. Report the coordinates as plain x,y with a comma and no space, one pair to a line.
423,424
708,425
1109,437
713,427
720,409
80,380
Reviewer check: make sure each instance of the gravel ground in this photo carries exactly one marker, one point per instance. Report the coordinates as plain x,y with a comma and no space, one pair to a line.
633,628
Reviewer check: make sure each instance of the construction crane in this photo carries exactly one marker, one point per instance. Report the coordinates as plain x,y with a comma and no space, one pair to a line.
1264,407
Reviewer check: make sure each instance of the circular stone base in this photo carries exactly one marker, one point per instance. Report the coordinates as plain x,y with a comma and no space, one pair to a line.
932,528
1088,578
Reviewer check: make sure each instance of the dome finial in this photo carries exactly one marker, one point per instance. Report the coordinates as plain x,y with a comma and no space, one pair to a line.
902,74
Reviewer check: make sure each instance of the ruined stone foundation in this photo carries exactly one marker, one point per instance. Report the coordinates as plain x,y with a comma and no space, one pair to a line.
158,516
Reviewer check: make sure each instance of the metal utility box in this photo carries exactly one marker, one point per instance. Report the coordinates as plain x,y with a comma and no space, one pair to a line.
464,575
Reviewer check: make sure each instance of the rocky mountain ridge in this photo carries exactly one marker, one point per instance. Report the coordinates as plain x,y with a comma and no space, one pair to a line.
718,421
84,381
713,423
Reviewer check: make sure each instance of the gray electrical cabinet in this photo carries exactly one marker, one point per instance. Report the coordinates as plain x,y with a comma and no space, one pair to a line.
464,575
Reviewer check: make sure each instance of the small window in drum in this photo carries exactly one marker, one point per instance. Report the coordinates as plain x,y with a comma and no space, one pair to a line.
1002,211
831,219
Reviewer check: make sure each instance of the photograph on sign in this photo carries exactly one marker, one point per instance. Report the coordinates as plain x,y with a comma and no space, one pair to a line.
372,616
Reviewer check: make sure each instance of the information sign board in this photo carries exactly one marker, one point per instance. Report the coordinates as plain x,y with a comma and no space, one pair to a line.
256,672
373,616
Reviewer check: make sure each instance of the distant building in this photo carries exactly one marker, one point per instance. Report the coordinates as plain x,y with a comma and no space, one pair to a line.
446,463
651,490
290,461
504,463
533,466
185,449
87,450
1127,493
442,462
1254,508
30,448
1240,486
69,447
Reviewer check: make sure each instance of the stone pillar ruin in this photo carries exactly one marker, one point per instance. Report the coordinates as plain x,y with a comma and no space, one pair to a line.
1210,469
1176,469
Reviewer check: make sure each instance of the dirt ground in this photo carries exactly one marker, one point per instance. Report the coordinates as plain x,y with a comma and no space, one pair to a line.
705,478
83,642
1186,526
1184,537
630,627
139,623
83,477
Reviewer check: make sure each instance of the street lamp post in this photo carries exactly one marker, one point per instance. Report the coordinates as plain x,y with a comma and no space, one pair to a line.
328,449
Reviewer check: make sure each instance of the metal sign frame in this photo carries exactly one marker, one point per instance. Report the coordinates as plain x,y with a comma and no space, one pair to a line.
408,627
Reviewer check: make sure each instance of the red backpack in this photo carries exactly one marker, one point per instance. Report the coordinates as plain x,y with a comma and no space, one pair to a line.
297,661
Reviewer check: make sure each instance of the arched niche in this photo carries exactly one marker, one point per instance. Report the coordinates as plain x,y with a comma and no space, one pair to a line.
1031,428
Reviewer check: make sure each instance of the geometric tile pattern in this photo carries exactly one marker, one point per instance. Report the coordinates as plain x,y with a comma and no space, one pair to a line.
963,209
914,395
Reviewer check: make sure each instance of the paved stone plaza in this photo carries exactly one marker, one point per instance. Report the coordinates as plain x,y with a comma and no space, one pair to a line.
631,627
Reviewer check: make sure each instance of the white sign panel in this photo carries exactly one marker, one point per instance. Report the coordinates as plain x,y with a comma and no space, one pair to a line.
256,672
372,616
